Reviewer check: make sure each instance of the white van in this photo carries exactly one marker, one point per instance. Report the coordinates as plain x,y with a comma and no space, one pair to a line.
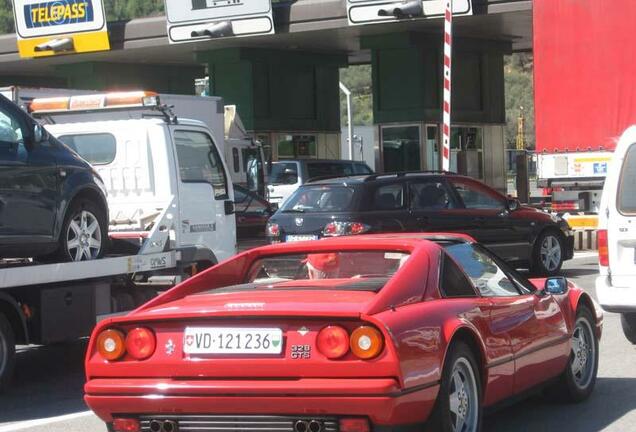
151,162
616,285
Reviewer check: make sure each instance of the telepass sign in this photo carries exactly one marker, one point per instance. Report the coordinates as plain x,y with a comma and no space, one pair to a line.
46,28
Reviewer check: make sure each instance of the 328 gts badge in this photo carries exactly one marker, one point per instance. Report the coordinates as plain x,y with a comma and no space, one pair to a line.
299,352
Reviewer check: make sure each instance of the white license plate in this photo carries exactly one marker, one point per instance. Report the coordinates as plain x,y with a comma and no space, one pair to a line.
305,237
217,340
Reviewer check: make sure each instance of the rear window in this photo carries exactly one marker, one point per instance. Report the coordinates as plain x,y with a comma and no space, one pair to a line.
342,271
626,201
320,199
96,149
328,169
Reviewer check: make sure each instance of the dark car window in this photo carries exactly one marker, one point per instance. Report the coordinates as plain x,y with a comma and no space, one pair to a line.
320,198
486,275
328,169
454,282
476,196
429,195
388,197
284,173
627,183
96,149
361,168
11,136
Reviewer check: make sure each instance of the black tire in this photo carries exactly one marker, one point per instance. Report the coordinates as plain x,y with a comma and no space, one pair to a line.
7,353
74,212
442,418
547,264
628,322
569,388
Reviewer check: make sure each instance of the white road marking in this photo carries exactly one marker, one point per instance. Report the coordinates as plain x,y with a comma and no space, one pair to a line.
41,422
580,255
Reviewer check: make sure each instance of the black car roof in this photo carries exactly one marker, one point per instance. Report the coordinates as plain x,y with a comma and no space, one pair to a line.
385,176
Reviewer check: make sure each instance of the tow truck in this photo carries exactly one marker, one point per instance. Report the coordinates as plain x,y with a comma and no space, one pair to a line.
171,215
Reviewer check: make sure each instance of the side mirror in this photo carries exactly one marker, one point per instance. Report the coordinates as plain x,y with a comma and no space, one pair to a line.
513,204
38,133
229,207
556,285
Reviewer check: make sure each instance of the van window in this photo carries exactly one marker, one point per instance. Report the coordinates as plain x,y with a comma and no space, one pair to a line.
199,161
627,183
328,169
96,149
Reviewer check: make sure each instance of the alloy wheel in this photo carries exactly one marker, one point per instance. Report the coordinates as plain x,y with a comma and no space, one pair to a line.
583,354
463,398
550,253
83,237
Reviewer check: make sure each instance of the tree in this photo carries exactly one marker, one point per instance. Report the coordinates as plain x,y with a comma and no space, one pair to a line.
358,80
518,75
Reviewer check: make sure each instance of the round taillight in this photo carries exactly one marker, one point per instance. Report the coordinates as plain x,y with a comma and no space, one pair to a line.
111,344
140,343
333,342
366,342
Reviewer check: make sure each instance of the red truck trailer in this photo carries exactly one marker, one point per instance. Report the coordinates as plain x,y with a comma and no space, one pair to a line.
585,94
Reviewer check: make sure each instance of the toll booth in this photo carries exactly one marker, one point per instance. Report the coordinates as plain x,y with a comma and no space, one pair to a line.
407,105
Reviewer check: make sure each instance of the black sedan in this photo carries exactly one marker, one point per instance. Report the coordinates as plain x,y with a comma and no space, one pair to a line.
409,202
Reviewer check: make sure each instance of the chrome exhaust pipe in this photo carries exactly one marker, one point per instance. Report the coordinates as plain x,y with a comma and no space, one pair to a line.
315,426
301,426
156,426
170,426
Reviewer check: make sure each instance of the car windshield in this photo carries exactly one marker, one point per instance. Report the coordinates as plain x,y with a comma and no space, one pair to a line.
342,271
323,198
284,173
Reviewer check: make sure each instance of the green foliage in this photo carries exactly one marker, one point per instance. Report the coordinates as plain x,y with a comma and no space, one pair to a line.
128,9
518,73
358,80
6,17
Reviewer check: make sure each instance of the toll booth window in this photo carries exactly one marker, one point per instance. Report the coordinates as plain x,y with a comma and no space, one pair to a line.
96,149
627,185
199,161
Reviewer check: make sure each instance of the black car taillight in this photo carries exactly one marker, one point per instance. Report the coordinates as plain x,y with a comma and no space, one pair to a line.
334,229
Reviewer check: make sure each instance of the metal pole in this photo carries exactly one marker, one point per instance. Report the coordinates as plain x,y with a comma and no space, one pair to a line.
347,93
448,56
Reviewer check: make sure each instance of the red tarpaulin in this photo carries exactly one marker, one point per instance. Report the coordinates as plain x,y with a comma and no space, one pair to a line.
584,73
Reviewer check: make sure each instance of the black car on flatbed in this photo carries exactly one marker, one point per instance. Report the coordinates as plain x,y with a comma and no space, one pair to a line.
425,201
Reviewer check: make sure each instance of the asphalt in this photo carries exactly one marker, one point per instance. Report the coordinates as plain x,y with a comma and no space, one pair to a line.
47,391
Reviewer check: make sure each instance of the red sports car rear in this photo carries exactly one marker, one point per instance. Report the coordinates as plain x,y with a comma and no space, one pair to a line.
338,335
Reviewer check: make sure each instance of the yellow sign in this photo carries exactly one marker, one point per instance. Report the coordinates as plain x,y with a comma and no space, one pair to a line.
46,28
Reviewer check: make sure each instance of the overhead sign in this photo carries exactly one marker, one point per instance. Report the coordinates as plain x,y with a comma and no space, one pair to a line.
381,11
46,28
196,20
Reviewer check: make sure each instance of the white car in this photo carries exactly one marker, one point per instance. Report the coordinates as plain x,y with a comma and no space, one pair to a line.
616,284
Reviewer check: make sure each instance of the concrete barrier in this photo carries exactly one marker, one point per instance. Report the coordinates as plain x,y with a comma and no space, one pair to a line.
585,239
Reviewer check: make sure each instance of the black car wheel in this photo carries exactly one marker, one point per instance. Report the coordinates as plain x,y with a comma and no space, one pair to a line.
458,407
547,257
577,381
628,322
84,234
7,352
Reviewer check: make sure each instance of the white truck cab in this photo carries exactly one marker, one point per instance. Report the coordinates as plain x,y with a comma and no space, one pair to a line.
149,163
616,284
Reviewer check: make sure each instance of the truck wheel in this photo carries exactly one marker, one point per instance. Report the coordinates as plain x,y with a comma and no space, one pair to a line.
547,257
628,321
84,234
7,352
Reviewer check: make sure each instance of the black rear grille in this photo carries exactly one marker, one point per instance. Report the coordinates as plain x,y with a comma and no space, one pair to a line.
237,423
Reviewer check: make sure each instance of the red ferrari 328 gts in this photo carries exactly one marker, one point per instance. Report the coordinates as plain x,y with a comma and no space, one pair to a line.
351,334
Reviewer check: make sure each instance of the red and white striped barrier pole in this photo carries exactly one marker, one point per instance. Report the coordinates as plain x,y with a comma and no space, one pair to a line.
448,59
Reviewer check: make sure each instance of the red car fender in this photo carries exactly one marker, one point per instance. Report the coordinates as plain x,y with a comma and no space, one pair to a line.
576,298
461,329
